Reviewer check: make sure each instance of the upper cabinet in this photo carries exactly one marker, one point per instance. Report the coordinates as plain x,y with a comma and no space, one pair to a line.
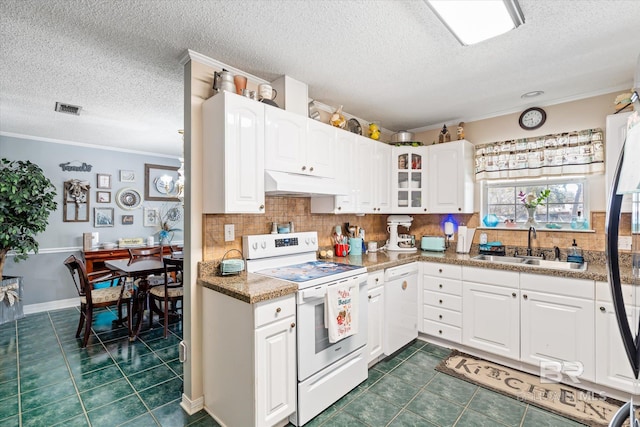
408,179
295,144
372,161
450,181
233,154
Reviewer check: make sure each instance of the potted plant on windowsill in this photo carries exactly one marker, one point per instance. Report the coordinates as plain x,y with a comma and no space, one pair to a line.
26,200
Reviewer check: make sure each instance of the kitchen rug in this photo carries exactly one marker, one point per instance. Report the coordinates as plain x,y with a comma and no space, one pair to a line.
580,405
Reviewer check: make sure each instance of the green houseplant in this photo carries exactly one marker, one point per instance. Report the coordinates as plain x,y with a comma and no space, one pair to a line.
26,200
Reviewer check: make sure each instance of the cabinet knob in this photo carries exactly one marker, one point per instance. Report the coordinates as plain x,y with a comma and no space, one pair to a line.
602,309
525,296
377,279
425,209
304,168
293,324
278,310
311,169
459,209
369,296
440,285
513,294
440,331
439,270
440,316
440,301
339,207
261,207
404,285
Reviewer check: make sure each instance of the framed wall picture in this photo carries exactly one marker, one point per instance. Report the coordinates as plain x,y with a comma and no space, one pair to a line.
127,219
127,176
103,217
160,183
103,196
151,217
104,180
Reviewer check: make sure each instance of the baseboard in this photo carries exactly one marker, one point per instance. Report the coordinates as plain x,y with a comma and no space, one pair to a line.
51,305
192,406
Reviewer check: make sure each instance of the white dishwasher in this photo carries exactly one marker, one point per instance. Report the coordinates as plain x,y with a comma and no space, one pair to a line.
400,306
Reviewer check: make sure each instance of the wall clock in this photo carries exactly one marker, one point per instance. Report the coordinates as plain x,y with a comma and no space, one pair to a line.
532,118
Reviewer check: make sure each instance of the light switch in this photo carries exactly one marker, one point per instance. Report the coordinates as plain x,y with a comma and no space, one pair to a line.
229,233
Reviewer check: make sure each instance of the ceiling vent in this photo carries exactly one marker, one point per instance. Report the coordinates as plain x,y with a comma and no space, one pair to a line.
68,108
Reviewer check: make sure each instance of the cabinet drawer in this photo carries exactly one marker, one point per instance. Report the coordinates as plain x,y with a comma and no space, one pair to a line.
447,332
442,270
579,288
450,302
437,314
375,279
270,311
442,285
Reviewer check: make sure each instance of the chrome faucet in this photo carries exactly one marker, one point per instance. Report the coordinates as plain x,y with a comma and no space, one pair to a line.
535,236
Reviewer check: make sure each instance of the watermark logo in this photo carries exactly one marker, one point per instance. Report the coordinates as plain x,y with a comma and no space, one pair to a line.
552,371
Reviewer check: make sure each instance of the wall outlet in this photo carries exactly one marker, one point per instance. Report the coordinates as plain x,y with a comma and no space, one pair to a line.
229,233
624,243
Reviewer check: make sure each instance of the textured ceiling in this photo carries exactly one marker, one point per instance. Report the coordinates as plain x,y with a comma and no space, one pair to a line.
386,60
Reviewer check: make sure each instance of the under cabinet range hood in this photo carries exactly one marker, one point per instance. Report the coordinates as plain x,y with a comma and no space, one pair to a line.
278,183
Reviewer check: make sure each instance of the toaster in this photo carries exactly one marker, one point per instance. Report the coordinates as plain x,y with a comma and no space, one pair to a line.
432,243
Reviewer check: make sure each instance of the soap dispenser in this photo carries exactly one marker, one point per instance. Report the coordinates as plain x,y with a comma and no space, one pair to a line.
575,253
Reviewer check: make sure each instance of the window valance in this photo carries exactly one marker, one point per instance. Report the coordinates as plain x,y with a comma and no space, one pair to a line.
578,152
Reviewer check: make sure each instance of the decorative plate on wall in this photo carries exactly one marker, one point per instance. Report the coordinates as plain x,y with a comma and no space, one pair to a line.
128,198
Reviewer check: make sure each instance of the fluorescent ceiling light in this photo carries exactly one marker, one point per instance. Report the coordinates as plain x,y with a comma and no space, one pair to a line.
472,21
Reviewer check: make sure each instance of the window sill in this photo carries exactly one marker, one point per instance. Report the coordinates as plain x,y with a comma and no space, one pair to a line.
520,227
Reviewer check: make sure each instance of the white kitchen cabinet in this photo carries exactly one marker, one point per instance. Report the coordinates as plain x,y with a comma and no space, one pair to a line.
442,301
380,171
249,377
375,337
233,154
450,177
372,160
295,144
347,178
557,323
612,366
408,179
491,312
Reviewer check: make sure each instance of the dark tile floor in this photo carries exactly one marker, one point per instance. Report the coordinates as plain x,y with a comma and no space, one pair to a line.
46,379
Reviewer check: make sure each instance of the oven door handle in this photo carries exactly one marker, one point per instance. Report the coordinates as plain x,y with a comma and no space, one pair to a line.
314,293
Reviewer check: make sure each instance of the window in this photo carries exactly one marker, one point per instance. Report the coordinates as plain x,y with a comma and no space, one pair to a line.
566,201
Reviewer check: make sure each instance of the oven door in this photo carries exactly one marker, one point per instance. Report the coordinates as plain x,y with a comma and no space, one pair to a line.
315,352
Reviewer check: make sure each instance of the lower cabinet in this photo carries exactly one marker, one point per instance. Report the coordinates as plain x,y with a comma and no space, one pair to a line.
375,326
491,311
249,353
442,301
557,323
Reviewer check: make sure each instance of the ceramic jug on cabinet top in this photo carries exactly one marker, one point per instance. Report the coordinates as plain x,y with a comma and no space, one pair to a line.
223,80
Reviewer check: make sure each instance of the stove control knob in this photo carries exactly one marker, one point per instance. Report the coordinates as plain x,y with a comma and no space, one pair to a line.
255,245
313,240
263,245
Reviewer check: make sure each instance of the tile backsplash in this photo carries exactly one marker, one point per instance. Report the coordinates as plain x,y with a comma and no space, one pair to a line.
298,210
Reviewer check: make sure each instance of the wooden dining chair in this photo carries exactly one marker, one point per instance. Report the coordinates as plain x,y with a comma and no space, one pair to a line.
91,298
140,253
168,295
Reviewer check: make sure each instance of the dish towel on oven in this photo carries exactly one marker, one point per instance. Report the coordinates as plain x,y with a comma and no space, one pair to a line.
341,311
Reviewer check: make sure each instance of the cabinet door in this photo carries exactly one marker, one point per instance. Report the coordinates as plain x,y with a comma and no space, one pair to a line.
285,141
408,180
346,174
573,340
491,319
450,178
275,371
381,178
321,149
612,367
616,133
233,155
375,326
366,169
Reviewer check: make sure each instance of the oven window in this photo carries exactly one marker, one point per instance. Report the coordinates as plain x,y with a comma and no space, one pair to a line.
321,333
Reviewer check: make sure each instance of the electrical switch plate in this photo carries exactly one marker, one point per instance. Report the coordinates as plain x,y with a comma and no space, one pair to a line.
229,233
624,243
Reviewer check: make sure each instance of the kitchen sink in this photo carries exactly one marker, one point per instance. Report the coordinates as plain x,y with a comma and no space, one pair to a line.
532,261
558,265
497,258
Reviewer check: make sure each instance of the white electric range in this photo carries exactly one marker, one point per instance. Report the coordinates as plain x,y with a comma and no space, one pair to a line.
326,371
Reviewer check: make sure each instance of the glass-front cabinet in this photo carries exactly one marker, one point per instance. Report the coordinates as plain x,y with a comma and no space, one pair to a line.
408,179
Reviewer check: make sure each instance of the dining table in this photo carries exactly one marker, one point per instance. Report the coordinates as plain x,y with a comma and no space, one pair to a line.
139,269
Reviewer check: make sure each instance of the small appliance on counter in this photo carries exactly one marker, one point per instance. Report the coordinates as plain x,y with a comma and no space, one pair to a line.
432,243
395,242
231,266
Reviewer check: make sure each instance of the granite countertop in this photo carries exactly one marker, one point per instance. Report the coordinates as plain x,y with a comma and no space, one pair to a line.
253,288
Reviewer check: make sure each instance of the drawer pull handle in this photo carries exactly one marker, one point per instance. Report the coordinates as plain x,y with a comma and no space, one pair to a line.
311,169
261,207
440,316
440,285
404,285
369,296
440,331
602,309
440,301
525,296
278,310
377,279
439,270
304,168
293,324
513,294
